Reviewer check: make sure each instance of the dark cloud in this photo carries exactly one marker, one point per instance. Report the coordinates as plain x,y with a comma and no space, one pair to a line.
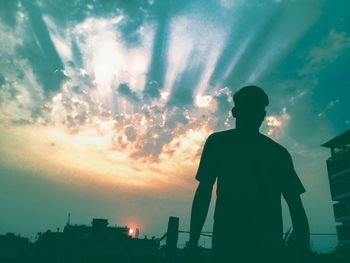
151,90
2,80
21,121
124,90
130,133
40,50
184,87
175,116
153,142
161,126
157,68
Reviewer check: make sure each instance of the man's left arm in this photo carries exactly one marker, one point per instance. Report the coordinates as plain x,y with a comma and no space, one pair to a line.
300,223
293,188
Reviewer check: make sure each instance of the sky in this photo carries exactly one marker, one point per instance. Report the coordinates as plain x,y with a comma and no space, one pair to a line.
105,105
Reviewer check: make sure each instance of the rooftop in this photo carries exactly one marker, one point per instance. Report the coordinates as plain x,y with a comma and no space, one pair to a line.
340,141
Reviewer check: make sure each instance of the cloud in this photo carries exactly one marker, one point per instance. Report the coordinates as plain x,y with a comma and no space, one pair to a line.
21,93
152,90
76,11
329,49
330,105
130,133
276,124
124,90
8,12
142,127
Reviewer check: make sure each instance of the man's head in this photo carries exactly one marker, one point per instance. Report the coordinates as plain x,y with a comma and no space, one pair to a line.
249,109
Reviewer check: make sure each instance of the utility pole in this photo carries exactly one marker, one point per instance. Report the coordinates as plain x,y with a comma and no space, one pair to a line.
171,239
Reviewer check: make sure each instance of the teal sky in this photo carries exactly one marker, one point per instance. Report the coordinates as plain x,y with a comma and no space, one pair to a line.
105,105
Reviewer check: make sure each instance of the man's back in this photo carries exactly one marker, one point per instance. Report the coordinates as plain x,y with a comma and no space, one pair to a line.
252,172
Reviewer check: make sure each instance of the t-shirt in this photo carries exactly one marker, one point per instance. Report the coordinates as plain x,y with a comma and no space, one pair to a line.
252,173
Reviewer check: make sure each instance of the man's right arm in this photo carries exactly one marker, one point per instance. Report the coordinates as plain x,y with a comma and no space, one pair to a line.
206,177
199,211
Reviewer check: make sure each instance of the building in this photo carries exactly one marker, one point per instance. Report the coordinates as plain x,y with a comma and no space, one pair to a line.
13,248
96,243
338,166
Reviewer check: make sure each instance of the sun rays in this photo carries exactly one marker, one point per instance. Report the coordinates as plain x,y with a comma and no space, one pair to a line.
154,94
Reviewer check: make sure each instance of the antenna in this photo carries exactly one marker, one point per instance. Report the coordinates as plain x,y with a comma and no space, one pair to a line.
68,220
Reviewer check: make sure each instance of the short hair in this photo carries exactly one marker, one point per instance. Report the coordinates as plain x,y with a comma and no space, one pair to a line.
251,96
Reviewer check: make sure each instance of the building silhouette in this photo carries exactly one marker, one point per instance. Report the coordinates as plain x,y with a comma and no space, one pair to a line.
97,242
338,166
13,248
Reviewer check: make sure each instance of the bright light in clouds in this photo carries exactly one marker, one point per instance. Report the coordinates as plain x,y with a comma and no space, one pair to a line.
106,61
187,146
103,52
179,50
276,123
203,101
109,60
88,152
192,40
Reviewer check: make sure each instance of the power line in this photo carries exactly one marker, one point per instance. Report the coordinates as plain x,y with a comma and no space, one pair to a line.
209,234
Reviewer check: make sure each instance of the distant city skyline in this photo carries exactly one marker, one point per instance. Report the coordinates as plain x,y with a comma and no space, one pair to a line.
105,106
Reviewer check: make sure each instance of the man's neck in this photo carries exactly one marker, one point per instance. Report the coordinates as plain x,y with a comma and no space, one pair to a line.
248,130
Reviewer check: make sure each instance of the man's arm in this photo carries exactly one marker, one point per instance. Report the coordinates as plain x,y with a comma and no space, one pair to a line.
199,211
300,223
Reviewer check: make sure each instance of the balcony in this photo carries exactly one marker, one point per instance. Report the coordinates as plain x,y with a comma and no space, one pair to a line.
340,188
342,211
338,165
344,234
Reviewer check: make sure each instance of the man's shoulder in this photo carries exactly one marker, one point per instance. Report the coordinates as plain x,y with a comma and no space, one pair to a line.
274,145
233,135
221,135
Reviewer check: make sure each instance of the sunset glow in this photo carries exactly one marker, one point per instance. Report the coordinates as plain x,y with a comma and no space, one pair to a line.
108,104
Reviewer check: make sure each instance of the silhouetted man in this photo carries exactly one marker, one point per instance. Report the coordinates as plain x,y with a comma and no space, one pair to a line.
252,173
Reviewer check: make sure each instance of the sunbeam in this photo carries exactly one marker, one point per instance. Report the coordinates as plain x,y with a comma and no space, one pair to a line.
120,96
